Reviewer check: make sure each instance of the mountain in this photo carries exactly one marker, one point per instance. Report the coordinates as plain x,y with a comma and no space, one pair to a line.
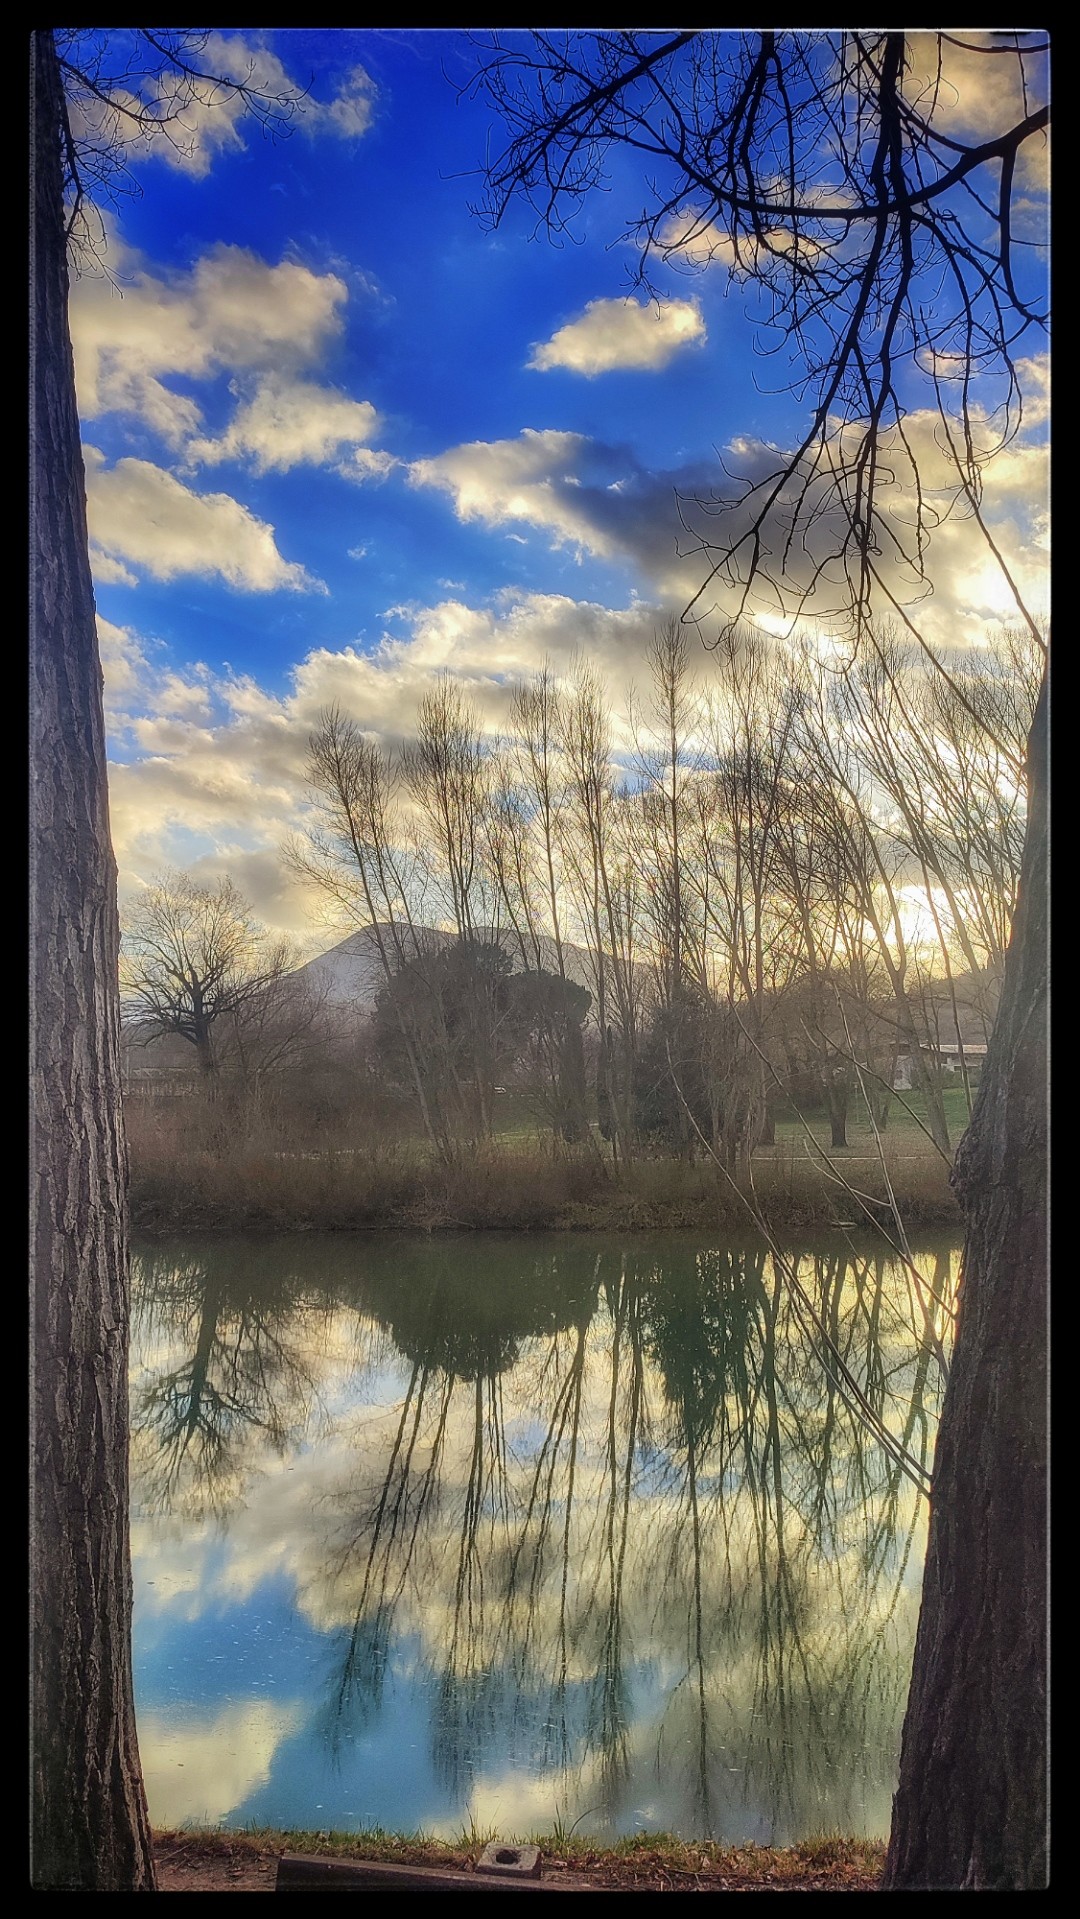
351,974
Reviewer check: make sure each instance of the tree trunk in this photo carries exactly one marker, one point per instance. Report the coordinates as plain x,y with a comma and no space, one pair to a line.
836,1095
90,1830
970,1808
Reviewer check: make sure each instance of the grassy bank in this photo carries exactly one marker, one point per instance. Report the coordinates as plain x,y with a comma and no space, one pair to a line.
656,1862
195,1170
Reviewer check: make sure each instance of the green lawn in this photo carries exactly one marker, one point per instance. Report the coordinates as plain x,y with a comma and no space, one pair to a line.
904,1131
518,1124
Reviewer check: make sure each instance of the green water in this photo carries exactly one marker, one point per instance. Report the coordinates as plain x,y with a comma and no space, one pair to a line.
520,1532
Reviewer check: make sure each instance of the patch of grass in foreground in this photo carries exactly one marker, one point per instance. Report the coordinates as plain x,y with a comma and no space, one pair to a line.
644,1862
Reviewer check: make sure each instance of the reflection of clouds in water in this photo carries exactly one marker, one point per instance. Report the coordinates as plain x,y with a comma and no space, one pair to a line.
298,1509
548,1620
199,1769
279,1530
518,1802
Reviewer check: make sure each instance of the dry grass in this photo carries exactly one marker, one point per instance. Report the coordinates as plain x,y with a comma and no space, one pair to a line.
657,1862
198,1167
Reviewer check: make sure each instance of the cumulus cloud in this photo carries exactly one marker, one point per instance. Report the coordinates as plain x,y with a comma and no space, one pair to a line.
586,495
693,237
348,114
234,312
522,479
123,664
675,528
108,570
290,422
187,121
141,514
974,80
230,311
622,334
214,765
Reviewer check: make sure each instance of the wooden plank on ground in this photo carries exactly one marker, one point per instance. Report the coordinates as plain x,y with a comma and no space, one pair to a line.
298,1872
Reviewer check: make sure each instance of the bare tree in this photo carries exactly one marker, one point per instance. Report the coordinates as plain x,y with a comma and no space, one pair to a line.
826,169
604,891
355,854
889,245
536,722
445,773
196,962
666,760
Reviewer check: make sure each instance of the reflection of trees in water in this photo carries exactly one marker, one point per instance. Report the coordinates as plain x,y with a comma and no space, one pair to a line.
239,1320
607,1726
597,1457
462,1330
805,1621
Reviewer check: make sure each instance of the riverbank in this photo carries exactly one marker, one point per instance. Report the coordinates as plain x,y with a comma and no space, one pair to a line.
216,1861
230,1186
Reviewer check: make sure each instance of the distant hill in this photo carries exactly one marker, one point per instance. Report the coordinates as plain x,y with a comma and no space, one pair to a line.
351,974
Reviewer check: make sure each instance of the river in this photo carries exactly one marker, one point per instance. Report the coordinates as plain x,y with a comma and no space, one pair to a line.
507,1535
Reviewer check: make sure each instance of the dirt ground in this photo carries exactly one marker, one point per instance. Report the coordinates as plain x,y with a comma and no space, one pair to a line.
183,1864
220,1862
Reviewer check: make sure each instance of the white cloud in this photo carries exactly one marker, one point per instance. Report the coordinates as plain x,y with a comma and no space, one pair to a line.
290,422
123,664
138,512
692,236
975,85
218,769
366,463
187,122
108,570
584,494
524,479
622,334
675,528
349,113
231,311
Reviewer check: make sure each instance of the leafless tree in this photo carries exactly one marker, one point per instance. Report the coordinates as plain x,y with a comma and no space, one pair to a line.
196,962
444,769
536,725
356,854
605,888
666,761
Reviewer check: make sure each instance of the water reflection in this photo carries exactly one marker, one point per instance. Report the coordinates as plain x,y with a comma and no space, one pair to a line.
572,1530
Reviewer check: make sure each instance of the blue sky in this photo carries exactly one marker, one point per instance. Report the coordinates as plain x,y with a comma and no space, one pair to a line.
339,438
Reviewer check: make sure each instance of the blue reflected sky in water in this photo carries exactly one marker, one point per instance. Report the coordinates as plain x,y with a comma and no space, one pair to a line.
238,1668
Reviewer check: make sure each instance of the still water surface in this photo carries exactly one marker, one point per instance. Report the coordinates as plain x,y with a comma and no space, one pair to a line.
522,1532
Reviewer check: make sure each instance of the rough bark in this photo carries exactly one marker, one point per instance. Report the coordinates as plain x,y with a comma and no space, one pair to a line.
970,1809
89,1823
